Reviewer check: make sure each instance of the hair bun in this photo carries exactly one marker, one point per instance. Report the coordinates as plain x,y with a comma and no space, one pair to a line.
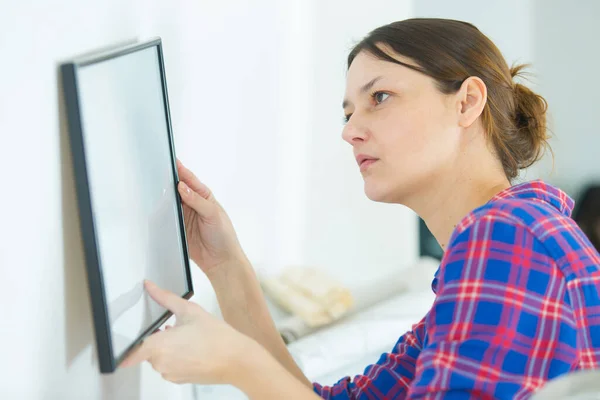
530,121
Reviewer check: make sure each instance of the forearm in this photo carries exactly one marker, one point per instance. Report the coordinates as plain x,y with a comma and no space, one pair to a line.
262,377
244,307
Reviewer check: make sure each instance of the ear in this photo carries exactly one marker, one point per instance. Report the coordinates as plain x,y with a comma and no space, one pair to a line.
472,97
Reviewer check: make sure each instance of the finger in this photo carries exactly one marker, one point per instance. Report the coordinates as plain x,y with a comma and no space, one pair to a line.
193,182
167,299
167,327
139,355
199,204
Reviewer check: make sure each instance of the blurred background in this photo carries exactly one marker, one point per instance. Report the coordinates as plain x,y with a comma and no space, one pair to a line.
255,90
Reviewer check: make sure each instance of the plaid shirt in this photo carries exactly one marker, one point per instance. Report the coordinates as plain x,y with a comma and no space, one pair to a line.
517,303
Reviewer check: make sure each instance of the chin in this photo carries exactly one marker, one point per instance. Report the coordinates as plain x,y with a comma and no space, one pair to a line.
383,191
379,193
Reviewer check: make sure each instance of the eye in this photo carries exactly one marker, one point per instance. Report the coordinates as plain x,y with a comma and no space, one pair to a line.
346,118
379,97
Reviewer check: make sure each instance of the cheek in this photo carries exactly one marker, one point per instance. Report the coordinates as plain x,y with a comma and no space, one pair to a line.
418,142
409,137
438,137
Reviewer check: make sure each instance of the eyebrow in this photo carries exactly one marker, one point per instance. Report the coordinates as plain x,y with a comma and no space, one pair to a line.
365,88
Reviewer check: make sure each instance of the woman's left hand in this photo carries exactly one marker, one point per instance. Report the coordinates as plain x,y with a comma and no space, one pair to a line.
198,349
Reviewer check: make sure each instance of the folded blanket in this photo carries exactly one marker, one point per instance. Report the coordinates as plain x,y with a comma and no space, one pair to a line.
315,299
312,295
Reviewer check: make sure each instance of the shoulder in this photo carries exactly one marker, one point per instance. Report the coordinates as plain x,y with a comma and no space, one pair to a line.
500,243
533,216
505,222
521,224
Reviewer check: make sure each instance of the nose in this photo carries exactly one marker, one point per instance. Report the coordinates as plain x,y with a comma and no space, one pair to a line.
354,133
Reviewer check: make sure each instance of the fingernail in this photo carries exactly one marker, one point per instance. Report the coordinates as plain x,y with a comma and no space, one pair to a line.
186,190
149,284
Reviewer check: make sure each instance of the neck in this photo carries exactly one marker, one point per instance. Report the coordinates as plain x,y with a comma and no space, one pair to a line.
447,200
449,205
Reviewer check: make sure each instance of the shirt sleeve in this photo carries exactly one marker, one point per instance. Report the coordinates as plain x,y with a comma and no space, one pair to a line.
501,323
389,378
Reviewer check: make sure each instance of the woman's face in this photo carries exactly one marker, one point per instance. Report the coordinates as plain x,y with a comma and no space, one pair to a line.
403,130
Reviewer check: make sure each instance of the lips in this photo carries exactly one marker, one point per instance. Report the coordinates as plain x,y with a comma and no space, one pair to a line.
365,161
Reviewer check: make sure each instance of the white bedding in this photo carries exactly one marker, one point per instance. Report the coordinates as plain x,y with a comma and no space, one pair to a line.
346,348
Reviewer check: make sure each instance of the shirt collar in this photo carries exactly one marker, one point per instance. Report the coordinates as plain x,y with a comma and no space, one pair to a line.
539,191
536,190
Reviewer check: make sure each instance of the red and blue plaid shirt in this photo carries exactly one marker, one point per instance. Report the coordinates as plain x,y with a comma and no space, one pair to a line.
517,303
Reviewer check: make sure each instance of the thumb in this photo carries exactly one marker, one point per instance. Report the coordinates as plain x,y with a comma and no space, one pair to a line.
205,208
167,299
193,182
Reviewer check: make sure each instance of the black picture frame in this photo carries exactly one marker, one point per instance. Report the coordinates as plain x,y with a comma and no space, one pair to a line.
69,73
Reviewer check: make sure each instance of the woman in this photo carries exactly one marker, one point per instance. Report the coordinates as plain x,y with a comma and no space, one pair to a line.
437,124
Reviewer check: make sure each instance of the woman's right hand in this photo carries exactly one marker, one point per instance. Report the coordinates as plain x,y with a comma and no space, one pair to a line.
212,241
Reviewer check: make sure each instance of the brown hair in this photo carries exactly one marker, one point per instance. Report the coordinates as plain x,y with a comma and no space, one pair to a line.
450,51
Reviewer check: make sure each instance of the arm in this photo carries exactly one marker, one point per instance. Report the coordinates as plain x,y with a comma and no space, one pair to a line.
500,326
390,378
264,378
244,307
214,247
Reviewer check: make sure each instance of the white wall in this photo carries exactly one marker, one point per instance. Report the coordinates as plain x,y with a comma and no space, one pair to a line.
46,331
274,156
346,233
506,22
223,74
241,78
567,58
